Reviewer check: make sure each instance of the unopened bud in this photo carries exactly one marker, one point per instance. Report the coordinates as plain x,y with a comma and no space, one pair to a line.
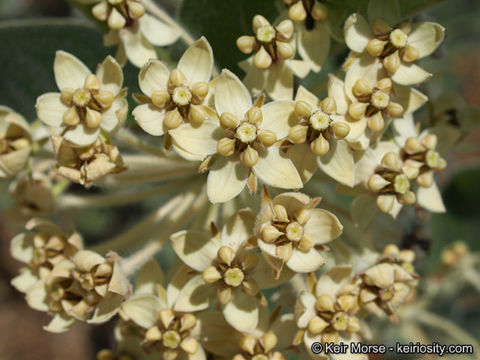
249,156
246,44
173,119
320,146
267,137
298,134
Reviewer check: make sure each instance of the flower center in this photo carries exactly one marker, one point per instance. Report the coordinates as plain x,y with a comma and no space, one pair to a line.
171,339
398,38
81,97
340,321
294,231
380,99
233,277
266,33
432,159
246,133
182,96
401,184
319,120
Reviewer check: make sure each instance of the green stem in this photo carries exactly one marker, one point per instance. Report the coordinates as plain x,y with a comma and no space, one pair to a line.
129,138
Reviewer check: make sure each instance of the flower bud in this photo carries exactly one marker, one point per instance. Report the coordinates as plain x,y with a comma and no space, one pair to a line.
385,202
297,12
285,28
93,118
391,161
100,11
226,255
298,134
267,137
228,121
302,109
226,146
284,50
196,114
340,130
319,11
177,78
249,156
116,21
254,115
211,275
392,62
70,117
320,146
357,110
361,88
135,10
394,109
262,60
410,53
329,105
246,44
160,98
200,89
377,183
270,233
173,119
281,213
375,47
325,303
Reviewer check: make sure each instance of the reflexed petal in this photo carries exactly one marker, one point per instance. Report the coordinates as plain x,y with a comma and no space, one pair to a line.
142,310
150,118
197,62
304,160
148,277
118,283
293,201
242,312
314,45
332,280
338,163
195,248
110,75
14,162
238,229
114,116
410,74
305,309
303,262
275,169
50,109
81,135
37,296
323,226
231,95
107,308
300,68
157,32
24,281
199,141
137,48
179,279
278,116
60,323
21,248
357,32
411,99
386,10
226,179
256,79
430,198
363,210
336,90
279,84
304,95
69,71
195,295
263,274
426,37
153,76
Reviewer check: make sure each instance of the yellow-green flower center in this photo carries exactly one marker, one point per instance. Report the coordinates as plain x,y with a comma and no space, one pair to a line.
171,339
432,159
233,277
266,33
398,38
246,133
182,96
320,120
81,97
380,99
294,231
401,184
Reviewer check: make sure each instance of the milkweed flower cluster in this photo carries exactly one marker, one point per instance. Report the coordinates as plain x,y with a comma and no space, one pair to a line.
224,146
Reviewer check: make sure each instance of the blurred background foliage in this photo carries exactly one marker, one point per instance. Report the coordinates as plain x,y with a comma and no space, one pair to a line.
32,30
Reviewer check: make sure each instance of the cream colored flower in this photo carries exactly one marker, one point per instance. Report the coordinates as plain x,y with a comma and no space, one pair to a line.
395,47
386,285
176,99
318,136
84,165
15,142
225,269
243,142
271,339
152,327
272,67
135,31
313,37
328,312
87,103
291,232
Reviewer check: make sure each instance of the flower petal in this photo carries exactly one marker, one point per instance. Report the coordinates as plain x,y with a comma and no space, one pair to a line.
231,95
336,90
110,75
197,141
238,229
150,118
21,248
195,248
219,337
50,109
367,68
426,37
107,308
338,163
256,79
81,135
363,209
411,99
157,32
279,84
285,329
303,262
69,71
60,323
242,312
357,32
304,160
114,116
323,226
142,310
148,277
305,309
24,281
332,280
137,48
197,62
226,179
37,296
275,169
304,95
153,76
278,116
430,198
195,295
314,45
410,74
